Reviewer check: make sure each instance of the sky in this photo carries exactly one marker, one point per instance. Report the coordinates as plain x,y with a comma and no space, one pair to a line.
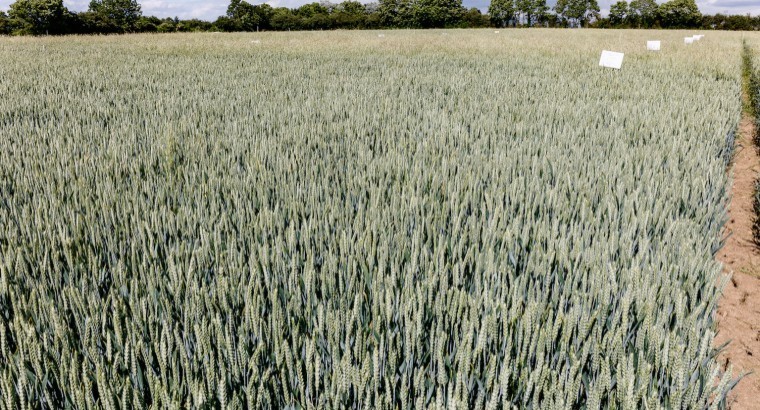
211,9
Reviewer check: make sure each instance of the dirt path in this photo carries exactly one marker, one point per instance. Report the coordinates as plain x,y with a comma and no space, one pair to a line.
739,309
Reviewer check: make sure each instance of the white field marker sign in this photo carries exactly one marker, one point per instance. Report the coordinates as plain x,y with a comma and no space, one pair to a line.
497,31
688,40
653,45
611,59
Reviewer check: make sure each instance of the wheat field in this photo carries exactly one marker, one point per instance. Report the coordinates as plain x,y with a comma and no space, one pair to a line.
323,220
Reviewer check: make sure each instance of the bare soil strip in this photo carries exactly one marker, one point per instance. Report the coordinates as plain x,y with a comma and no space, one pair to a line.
739,309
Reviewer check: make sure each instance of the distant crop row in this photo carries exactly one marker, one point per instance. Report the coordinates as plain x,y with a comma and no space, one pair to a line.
337,220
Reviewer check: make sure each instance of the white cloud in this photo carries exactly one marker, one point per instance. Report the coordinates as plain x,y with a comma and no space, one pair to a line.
729,6
208,10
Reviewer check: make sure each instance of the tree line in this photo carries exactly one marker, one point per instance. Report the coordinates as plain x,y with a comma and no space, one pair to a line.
37,17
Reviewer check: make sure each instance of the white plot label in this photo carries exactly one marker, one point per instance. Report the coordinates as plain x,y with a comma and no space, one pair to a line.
653,45
688,40
611,59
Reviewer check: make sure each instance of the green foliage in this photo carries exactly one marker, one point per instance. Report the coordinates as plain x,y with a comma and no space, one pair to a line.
473,18
643,13
531,10
580,12
91,22
247,17
752,78
283,18
751,63
349,14
37,16
330,220
680,14
147,24
421,13
731,22
395,13
313,16
5,24
648,14
619,12
123,14
193,25
502,12
437,13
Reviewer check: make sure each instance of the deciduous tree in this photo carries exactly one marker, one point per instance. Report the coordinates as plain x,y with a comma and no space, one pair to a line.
437,13
680,14
244,16
579,11
124,14
5,24
349,14
643,13
531,10
38,16
619,12
395,13
502,12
